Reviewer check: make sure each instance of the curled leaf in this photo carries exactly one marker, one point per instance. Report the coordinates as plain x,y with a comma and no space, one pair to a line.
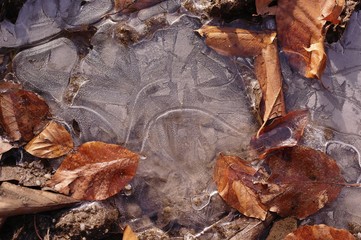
233,177
268,72
282,132
235,41
319,232
96,171
300,29
302,181
54,141
22,113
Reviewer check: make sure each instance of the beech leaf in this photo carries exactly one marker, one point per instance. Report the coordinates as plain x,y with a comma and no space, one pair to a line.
302,181
54,141
283,132
300,29
96,171
268,72
128,6
319,232
235,41
233,177
22,113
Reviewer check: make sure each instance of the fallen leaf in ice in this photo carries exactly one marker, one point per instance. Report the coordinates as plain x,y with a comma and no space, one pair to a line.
17,200
235,41
128,234
268,72
22,113
54,141
262,7
319,232
128,6
300,29
233,177
283,132
302,181
96,171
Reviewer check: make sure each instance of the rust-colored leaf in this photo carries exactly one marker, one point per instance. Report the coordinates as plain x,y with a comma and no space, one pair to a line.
128,234
233,177
282,132
22,113
331,10
128,6
235,41
262,7
268,72
300,29
96,171
54,141
319,232
302,181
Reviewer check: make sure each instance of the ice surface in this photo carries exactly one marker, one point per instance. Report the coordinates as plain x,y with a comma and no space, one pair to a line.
170,98
41,19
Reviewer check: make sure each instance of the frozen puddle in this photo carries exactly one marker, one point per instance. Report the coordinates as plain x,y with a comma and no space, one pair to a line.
170,98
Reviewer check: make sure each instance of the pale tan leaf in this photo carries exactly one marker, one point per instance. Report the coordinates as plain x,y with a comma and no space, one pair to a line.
54,141
235,41
331,10
17,200
128,234
96,171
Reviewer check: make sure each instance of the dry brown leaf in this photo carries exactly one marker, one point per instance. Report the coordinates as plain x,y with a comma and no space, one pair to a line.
17,200
54,141
96,171
128,234
235,41
300,29
262,7
331,10
302,181
283,132
268,72
319,232
22,113
233,177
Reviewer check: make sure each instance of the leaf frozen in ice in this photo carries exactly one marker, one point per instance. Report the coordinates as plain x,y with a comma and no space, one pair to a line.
95,171
54,141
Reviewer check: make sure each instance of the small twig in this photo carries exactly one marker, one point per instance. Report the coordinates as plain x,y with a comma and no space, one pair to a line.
36,229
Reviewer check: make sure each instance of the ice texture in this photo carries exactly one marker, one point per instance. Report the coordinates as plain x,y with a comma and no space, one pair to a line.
41,19
170,98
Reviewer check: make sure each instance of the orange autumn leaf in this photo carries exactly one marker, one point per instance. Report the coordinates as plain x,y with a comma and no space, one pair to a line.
301,181
95,171
128,234
300,29
319,232
54,141
233,177
235,41
268,72
22,113
283,132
